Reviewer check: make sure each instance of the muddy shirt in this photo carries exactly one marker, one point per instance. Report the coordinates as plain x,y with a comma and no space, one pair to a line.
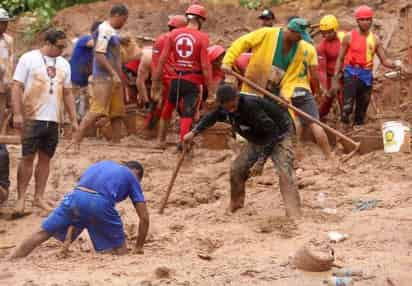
106,42
43,89
259,120
113,181
188,49
7,57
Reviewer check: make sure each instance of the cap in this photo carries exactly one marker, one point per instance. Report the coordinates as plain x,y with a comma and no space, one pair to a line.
267,14
300,25
4,16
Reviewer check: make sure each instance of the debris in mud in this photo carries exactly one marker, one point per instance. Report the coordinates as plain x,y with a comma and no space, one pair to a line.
163,272
315,256
283,226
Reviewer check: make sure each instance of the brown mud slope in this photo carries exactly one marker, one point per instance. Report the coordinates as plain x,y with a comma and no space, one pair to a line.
196,242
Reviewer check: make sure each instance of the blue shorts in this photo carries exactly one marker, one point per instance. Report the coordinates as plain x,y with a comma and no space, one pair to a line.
87,211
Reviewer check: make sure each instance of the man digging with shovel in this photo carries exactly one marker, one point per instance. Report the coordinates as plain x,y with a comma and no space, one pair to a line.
266,126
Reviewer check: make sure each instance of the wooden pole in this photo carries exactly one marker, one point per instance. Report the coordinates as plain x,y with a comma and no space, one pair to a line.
172,181
286,104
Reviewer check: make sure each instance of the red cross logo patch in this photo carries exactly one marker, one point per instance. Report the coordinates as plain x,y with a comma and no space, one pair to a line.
184,47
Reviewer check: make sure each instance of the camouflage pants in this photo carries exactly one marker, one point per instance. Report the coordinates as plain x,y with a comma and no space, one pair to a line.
281,155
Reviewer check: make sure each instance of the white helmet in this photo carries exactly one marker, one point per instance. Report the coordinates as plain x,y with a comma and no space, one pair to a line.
4,16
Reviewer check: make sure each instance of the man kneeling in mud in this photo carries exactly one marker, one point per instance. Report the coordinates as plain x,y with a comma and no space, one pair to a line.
91,206
266,126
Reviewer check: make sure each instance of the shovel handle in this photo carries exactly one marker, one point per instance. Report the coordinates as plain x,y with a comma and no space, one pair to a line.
172,181
296,110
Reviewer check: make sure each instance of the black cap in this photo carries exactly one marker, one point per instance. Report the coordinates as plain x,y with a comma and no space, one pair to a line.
266,14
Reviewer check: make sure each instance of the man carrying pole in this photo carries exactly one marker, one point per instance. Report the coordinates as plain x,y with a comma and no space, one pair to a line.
284,63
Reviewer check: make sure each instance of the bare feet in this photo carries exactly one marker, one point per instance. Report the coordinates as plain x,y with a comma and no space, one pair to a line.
4,194
19,208
161,145
237,202
42,204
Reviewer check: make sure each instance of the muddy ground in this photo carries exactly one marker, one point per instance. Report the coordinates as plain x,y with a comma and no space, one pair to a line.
196,241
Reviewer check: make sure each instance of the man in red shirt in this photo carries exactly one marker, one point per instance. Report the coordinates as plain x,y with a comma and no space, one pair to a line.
328,51
147,67
187,49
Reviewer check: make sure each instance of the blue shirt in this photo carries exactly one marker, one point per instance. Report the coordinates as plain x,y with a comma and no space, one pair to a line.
107,42
113,181
81,61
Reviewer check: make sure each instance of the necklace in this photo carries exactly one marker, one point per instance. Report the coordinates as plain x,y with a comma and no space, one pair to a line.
51,72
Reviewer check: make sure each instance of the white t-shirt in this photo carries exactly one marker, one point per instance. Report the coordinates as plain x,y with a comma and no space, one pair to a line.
6,56
43,95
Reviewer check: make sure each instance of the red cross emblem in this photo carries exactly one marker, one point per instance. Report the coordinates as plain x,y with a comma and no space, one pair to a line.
184,47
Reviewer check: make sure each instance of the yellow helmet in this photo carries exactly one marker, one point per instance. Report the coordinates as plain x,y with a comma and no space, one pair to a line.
328,22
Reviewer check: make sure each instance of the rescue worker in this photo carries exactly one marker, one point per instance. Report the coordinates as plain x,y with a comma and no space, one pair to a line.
149,62
328,51
188,49
267,18
266,126
356,56
91,206
283,62
7,61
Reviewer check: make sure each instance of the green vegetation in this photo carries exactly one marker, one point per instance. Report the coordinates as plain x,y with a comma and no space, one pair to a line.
42,11
257,4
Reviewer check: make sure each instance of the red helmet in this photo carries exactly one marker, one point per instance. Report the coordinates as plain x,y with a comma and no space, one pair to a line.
363,12
197,10
177,21
215,52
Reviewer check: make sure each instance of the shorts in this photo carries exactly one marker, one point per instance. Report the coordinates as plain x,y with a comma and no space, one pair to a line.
304,100
40,135
184,93
106,98
4,167
89,211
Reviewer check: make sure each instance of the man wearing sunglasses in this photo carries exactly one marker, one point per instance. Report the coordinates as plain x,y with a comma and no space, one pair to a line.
266,126
41,87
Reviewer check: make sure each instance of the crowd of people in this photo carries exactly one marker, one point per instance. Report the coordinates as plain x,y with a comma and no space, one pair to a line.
180,71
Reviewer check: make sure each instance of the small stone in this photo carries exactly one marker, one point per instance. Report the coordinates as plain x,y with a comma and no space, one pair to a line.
163,272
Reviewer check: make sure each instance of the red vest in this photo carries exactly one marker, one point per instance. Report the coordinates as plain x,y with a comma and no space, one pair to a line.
188,51
361,50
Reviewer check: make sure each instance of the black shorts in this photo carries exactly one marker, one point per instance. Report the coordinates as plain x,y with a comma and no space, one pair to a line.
304,100
40,136
4,167
186,93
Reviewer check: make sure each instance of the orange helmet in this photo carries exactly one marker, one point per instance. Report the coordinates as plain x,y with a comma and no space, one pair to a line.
215,52
363,12
177,21
197,10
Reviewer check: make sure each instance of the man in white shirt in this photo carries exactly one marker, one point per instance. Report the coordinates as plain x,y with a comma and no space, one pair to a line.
6,64
41,85
107,83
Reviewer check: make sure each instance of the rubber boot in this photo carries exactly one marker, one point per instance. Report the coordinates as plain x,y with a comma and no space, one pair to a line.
161,136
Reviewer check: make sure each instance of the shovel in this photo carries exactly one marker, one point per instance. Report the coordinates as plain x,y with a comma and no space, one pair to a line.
346,141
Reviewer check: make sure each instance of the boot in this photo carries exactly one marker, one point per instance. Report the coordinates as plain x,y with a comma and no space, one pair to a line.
161,136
